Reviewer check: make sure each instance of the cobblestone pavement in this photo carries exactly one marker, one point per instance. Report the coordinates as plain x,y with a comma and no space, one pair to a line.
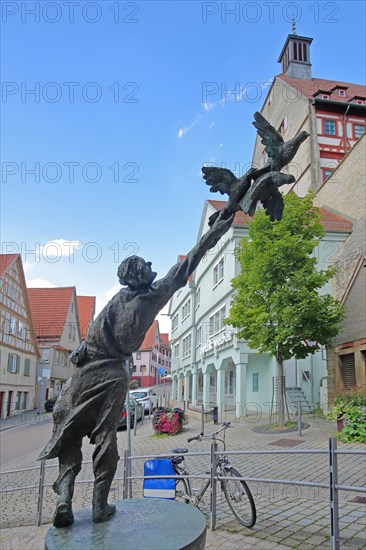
289,516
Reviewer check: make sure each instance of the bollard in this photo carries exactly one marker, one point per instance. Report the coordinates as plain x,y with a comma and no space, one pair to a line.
135,421
40,493
299,419
215,414
333,487
213,485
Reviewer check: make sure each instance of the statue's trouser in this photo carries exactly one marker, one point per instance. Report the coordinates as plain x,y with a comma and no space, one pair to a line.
105,459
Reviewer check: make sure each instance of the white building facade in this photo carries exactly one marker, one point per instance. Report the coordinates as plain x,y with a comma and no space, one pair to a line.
210,365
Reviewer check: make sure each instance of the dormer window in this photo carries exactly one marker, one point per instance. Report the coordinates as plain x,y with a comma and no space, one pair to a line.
325,96
360,101
341,92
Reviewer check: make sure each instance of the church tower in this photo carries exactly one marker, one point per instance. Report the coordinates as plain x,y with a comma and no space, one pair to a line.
295,56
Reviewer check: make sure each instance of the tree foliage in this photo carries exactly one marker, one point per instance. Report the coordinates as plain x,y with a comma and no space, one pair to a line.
277,302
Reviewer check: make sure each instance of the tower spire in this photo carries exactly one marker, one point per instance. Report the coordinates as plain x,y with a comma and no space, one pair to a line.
293,24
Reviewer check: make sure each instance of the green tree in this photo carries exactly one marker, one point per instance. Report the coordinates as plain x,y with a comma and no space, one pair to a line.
277,302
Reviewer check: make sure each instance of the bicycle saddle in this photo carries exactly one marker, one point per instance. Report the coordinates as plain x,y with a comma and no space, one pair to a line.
179,451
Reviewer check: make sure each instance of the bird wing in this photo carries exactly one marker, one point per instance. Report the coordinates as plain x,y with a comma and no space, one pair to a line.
274,205
220,179
271,139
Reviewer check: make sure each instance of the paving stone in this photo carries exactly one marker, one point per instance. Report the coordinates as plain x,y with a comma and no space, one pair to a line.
282,510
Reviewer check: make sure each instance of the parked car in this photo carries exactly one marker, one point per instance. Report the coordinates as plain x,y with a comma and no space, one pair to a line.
123,418
49,404
145,396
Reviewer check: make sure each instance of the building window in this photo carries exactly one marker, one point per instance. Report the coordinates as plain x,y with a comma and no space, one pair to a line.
176,351
187,342
186,309
255,379
229,382
12,293
62,359
326,173
360,101
212,381
142,368
17,400
198,336
341,93
198,297
13,363
358,130
283,126
217,321
25,400
175,322
13,326
348,370
325,96
21,330
138,355
26,367
218,272
329,127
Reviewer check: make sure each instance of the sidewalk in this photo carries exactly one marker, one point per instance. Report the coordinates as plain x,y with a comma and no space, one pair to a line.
24,417
289,516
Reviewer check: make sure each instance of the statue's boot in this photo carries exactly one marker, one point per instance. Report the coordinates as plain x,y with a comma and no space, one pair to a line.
101,509
63,515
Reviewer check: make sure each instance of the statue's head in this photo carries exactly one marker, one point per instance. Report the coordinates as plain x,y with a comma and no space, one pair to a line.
135,273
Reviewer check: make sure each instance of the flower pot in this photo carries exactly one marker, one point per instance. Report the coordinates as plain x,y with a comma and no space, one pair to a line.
340,424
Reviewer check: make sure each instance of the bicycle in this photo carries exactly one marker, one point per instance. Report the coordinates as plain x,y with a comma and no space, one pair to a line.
236,491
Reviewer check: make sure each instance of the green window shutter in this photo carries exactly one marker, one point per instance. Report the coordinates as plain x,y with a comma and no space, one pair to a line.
26,367
18,363
9,362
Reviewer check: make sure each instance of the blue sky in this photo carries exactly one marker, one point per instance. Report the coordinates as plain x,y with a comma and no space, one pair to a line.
131,98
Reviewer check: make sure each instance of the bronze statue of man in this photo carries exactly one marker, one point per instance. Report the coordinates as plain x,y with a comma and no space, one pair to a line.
91,401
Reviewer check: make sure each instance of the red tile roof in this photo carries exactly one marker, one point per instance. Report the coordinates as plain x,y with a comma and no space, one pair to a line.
164,338
329,220
49,308
86,311
310,88
6,260
150,337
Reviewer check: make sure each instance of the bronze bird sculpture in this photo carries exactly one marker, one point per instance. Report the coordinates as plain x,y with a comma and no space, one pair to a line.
280,152
243,194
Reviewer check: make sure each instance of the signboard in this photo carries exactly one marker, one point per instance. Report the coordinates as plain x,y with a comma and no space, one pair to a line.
161,372
225,338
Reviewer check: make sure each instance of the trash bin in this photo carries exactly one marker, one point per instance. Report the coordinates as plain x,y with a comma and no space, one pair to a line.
215,414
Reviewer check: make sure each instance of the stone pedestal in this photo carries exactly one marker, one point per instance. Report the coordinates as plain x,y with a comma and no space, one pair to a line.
149,523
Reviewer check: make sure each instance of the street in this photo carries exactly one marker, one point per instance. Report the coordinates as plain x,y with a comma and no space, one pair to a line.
23,443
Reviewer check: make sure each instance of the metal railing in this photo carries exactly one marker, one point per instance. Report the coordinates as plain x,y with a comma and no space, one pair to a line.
333,486
127,478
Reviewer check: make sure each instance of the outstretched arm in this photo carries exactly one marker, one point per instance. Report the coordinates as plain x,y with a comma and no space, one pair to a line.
180,273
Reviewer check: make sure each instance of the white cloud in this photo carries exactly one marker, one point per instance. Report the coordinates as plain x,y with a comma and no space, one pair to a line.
39,283
211,126
183,131
27,266
59,247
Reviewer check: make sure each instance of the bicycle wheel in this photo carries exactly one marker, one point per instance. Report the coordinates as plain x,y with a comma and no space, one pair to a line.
239,498
182,490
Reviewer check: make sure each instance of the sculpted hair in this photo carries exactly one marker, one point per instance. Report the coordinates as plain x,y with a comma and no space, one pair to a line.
128,269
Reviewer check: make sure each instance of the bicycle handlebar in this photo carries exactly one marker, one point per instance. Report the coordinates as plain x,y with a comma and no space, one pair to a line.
198,437
201,436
